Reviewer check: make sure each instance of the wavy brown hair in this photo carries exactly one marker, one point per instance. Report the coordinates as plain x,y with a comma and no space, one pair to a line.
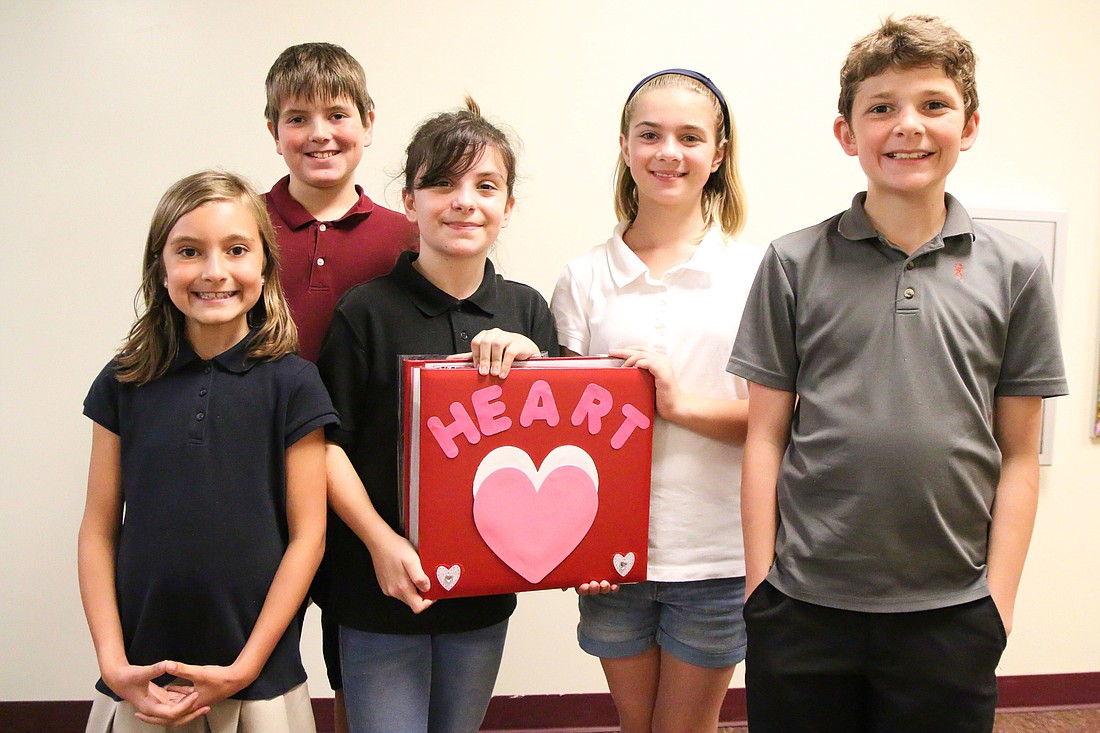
915,41
155,337
449,144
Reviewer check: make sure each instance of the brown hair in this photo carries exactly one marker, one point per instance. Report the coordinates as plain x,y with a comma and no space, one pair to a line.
154,339
723,195
316,72
449,144
914,41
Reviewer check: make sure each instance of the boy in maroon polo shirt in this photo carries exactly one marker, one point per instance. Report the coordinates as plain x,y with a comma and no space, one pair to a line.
331,235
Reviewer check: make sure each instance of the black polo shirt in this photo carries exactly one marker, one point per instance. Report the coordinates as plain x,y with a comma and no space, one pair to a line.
374,324
203,452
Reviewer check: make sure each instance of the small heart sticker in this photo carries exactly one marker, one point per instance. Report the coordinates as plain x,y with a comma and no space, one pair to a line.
448,576
622,563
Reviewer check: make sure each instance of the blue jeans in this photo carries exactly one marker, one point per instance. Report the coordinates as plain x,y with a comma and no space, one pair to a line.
419,683
697,621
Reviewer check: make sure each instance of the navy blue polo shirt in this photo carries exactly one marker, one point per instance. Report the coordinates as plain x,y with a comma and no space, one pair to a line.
375,323
203,452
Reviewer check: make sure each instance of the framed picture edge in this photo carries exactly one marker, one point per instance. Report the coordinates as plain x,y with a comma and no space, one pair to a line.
1059,219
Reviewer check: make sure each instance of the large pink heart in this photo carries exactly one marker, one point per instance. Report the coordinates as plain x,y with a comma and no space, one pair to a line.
532,519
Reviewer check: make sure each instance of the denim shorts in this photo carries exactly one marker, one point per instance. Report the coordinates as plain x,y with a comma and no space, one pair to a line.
698,621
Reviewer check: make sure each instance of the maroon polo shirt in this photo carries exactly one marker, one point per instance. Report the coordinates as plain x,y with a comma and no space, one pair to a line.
322,259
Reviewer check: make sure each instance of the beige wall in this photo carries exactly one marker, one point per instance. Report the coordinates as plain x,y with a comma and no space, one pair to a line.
106,103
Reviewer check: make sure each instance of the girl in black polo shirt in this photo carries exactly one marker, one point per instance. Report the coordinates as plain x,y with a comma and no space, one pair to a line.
410,665
205,515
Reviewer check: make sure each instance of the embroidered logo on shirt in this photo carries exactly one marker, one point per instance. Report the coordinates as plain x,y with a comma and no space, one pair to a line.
959,270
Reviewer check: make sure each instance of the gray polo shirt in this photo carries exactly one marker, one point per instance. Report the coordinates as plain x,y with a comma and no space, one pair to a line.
886,489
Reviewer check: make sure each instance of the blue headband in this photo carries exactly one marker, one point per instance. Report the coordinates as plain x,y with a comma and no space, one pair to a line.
702,79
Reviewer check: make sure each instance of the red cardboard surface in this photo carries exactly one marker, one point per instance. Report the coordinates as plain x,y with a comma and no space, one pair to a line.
540,480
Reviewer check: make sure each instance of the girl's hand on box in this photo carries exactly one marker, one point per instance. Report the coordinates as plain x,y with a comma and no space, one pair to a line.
494,350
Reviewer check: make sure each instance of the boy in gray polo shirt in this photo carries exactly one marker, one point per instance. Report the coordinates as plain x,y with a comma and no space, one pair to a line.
888,509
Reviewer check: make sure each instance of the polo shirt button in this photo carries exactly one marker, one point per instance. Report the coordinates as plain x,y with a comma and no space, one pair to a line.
909,292
323,227
206,369
202,392
200,416
910,265
321,261
464,336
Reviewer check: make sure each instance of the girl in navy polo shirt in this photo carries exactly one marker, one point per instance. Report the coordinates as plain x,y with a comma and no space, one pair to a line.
412,666
205,515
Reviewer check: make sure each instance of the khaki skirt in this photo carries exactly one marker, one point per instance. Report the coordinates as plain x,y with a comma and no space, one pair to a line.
289,713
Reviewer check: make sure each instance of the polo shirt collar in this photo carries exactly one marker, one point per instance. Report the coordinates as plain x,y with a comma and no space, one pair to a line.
234,359
856,225
296,216
626,266
431,301
958,221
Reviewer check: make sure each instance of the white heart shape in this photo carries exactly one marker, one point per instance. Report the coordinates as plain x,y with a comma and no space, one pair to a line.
623,563
448,576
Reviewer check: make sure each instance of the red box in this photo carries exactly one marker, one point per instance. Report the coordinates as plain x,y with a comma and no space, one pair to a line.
540,480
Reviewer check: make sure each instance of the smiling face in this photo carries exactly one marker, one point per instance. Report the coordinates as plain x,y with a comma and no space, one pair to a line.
907,127
213,265
460,216
671,145
322,141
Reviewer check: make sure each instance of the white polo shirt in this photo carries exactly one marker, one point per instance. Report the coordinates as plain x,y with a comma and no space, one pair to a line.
606,299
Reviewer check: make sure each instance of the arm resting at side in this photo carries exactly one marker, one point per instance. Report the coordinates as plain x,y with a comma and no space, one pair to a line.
769,427
97,545
396,563
1016,427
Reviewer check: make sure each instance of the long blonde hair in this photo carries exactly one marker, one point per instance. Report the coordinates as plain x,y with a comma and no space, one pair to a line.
155,337
723,195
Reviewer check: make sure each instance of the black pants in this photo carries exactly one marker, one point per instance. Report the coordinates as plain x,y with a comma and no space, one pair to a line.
813,669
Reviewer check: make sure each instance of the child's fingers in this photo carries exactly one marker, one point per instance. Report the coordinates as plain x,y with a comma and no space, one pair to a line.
626,352
416,602
169,714
488,352
417,575
596,588
179,669
501,351
171,721
191,716
505,364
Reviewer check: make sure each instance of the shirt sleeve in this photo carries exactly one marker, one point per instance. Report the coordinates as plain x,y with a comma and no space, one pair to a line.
568,307
101,404
310,407
344,369
1032,364
765,350
544,332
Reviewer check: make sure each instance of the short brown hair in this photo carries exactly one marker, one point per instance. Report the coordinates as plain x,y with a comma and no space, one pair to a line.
449,145
155,337
316,72
914,41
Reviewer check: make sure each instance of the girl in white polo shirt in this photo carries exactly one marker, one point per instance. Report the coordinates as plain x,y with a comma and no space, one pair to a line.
666,292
